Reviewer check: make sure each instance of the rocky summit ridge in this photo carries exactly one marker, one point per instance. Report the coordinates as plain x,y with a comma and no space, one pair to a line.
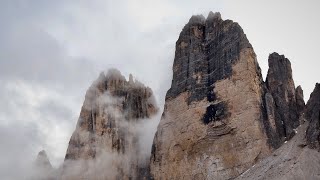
221,119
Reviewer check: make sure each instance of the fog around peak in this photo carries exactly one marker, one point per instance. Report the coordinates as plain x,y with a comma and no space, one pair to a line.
52,51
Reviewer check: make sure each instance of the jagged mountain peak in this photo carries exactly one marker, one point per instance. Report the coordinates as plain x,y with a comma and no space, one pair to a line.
107,136
214,15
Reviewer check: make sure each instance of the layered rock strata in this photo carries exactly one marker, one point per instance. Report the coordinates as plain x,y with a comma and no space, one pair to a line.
105,143
212,124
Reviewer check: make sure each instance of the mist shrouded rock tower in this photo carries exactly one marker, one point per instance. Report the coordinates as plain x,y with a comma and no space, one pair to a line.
105,144
220,120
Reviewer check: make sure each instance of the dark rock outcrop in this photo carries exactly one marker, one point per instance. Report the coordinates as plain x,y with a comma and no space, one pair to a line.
105,144
283,101
312,114
300,101
205,52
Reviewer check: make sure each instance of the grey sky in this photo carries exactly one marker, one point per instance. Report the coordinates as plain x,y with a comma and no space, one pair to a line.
51,51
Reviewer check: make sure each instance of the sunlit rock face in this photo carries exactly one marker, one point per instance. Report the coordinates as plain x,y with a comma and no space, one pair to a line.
105,143
212,125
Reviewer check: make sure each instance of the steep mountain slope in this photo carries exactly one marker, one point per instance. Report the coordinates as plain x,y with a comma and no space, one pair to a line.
292,161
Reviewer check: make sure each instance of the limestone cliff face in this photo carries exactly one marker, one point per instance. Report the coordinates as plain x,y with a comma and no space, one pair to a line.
105,144
312,114
212,125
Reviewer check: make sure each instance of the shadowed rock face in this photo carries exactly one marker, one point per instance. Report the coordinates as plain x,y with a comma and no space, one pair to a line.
300,101
211,126
312,114
106,133
205,52
283,102
280,84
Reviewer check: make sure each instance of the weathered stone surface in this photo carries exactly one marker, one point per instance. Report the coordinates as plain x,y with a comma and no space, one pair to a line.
280,85
105,144
312,114
212,125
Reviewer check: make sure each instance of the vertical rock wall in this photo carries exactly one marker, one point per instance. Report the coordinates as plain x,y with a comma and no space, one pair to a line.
283,101
220,117
211,126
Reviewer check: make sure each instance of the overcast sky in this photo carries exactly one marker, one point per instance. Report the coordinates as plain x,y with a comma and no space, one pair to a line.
51,51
